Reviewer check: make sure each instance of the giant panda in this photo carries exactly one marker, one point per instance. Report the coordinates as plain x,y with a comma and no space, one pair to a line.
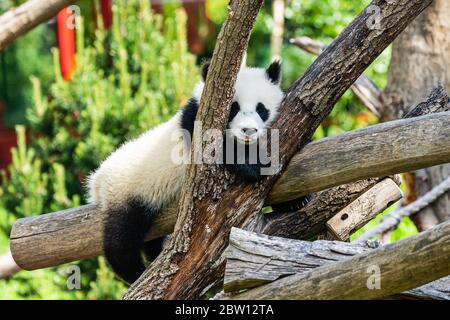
138,179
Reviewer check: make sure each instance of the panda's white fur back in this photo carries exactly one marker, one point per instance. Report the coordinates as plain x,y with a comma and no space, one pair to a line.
140,168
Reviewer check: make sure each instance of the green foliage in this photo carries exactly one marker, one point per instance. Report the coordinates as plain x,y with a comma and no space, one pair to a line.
127,80
23,58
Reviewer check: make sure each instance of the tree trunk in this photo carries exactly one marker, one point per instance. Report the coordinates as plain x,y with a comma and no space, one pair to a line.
420,60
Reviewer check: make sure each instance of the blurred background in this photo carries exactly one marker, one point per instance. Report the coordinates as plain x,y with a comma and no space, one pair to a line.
69,96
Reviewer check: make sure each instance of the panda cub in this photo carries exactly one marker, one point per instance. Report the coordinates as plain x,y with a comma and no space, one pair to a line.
138,179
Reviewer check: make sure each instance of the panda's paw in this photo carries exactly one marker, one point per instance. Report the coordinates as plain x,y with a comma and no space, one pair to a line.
246,172
291,206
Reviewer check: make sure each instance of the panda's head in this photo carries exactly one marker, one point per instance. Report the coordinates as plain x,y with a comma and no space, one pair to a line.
255,103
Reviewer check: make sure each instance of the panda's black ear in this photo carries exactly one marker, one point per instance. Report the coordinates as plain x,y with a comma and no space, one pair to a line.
274,72
205,68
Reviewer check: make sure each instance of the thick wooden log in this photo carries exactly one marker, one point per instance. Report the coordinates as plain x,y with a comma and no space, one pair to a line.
380,150
383,149
383,272
255,259
18,21
364,88
363,209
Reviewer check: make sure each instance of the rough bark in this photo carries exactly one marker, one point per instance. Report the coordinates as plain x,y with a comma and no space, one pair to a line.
255,259
401,266
18,21
420,60
210,206
384,159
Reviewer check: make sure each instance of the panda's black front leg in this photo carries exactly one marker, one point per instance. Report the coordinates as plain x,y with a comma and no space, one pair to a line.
292,205
247,172
244,161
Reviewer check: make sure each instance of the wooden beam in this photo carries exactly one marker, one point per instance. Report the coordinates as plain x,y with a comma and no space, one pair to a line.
383,272
363,209
18,21
380,150
255,259
365,89
310,221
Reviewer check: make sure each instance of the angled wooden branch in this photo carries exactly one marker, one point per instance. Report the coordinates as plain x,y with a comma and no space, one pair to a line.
386,271
365,89
18,21
363,209
211,203
255,259
379,153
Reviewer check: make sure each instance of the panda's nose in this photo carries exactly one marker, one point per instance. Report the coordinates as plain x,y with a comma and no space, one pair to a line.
249,131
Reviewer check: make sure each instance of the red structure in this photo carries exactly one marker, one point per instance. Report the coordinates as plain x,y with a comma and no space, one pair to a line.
7,140
65,21
105,7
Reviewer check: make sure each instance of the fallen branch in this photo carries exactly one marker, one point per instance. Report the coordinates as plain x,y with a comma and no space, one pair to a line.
18,21
389,270
255,259
364,88
362,210
392,220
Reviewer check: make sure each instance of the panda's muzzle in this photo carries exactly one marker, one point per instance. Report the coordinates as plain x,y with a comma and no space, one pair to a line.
249,131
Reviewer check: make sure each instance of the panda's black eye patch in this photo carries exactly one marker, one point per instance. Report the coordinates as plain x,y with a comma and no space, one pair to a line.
262,111
234,110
